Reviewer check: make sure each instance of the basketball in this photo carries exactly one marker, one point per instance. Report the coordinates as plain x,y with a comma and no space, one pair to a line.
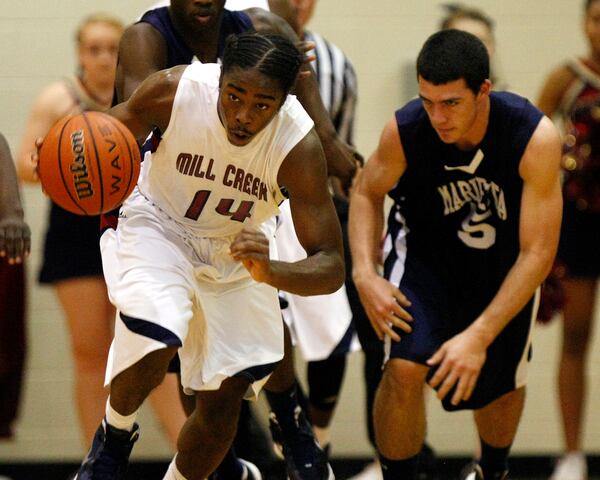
89,163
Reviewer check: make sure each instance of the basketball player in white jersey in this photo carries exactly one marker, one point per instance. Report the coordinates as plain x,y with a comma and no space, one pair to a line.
188,267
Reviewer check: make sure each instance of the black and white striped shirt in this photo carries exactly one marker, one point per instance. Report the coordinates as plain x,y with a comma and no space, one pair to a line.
337,84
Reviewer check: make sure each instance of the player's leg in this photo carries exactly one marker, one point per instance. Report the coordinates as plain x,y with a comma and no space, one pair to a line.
168,410
324,384
149,279
324,378
399,418
208,433
290,427
109,455
497,425
90,330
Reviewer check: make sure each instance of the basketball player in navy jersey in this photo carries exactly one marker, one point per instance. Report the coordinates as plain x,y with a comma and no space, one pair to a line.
180,254
472,233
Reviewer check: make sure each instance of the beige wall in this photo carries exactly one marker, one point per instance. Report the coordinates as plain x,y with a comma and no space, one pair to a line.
382,38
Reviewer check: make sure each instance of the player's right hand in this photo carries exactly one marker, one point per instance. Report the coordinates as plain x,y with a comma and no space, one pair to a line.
384,305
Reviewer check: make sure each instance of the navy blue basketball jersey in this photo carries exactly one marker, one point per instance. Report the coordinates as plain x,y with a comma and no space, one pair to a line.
178,52
453,231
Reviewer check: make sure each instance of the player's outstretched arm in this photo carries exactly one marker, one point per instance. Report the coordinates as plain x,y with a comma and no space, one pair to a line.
382,301
15,236
303,174
460,359
342,160
150,104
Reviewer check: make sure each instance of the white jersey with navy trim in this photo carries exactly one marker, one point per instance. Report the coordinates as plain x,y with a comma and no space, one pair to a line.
198,178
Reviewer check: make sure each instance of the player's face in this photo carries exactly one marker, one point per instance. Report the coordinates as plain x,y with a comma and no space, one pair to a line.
198,15
248,101
98,49
455,112
592,26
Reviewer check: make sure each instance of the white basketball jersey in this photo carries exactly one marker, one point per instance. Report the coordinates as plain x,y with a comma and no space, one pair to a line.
204,182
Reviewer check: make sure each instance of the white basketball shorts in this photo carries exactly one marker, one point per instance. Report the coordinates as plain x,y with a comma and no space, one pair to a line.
171,288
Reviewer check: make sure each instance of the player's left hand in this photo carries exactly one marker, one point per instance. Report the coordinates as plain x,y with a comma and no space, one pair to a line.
15,239
251,247
459,361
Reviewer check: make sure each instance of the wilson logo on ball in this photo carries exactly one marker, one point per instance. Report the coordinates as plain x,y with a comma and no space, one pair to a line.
82,185
89,163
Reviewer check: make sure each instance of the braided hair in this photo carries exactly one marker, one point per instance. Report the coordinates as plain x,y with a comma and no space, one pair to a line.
271,54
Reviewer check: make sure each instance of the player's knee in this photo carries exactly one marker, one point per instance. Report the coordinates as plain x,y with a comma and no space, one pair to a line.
149,372
404,378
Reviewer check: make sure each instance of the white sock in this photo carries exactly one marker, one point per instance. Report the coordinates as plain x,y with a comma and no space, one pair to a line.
323,435
173,473
115,419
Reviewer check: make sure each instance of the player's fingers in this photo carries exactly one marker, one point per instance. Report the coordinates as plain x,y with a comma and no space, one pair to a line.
399,322
437,357
377,329
471,382
447,384
440,374
11,242
390,332
401,298
461,389
399,312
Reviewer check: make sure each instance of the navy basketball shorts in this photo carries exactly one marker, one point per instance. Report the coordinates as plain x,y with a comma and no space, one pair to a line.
436,321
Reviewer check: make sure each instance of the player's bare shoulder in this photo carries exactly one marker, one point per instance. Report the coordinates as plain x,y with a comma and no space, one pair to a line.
153,98
543,152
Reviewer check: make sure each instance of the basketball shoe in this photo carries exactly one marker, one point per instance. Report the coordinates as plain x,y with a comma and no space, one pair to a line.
473,472
109,456
249,472
304,458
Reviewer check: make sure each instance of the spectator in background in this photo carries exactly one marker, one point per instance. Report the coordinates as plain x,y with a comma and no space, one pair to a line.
70,236
477,22
572,93
15,243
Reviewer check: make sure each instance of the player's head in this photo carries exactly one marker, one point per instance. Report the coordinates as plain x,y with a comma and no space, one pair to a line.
453,70
592,24
452,54
97,38
472,20
257,74
196,16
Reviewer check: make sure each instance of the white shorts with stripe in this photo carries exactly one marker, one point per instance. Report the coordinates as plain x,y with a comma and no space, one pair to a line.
317,323
171,288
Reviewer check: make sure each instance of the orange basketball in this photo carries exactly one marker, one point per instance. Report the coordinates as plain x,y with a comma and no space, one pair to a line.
89,163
